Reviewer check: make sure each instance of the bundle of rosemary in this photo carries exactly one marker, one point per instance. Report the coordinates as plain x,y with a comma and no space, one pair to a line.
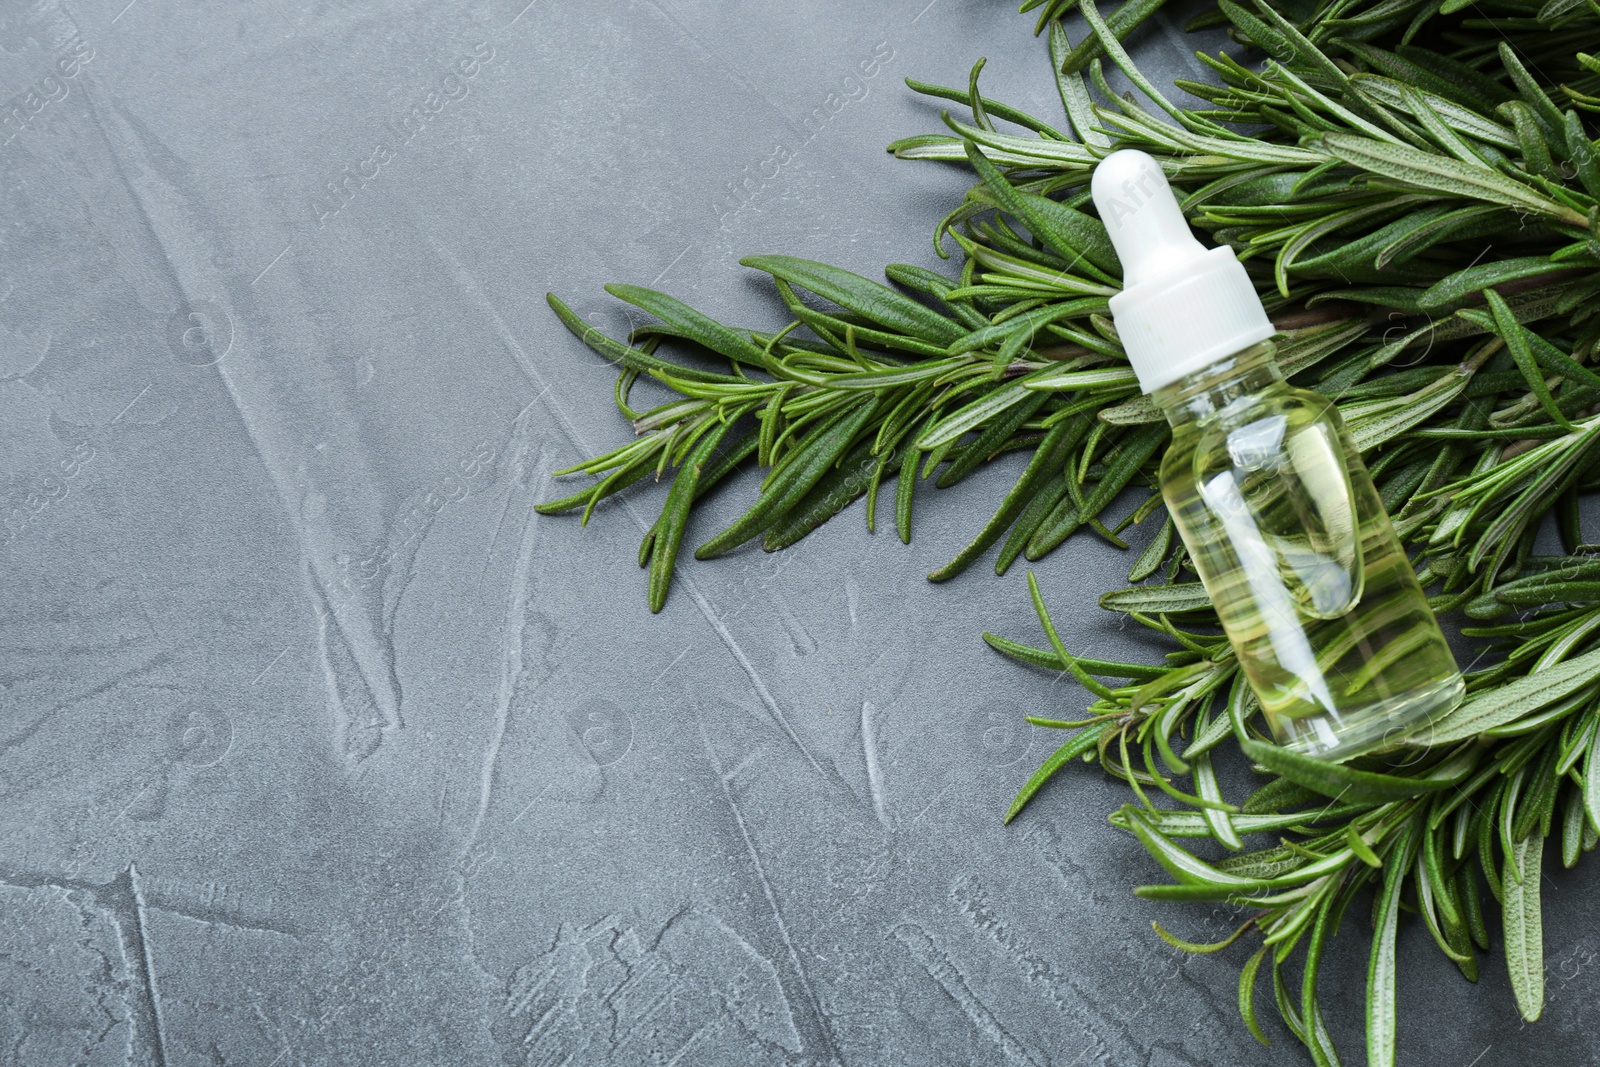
1414,187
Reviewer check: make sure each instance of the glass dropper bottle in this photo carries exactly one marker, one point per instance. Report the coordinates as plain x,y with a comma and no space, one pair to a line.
1280,517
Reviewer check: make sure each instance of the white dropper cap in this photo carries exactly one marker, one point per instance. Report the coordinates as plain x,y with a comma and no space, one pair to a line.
1183,306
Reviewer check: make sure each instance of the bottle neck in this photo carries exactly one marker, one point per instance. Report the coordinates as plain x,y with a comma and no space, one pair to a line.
1194,396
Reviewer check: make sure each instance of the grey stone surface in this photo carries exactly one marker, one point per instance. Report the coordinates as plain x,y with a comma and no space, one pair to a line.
317,746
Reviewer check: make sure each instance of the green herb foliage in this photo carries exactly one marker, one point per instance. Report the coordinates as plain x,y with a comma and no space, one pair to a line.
1413,186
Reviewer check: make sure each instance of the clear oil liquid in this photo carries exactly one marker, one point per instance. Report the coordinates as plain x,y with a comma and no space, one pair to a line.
1287,531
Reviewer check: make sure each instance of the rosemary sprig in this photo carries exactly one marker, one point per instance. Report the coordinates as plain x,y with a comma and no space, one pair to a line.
1414,188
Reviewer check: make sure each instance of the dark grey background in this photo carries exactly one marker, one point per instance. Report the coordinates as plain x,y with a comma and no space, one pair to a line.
320,747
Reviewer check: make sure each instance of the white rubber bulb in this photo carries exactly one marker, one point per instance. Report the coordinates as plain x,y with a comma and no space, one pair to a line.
1147,227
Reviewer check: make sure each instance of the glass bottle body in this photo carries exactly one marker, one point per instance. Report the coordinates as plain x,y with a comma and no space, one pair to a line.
1289,536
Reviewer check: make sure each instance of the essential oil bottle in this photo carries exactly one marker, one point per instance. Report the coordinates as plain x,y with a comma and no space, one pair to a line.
1280,517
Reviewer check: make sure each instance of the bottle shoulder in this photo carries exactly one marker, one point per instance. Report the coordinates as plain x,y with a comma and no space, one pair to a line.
1250,429
1300,406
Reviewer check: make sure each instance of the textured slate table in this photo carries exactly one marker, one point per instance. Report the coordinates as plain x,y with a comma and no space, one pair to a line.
319,747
